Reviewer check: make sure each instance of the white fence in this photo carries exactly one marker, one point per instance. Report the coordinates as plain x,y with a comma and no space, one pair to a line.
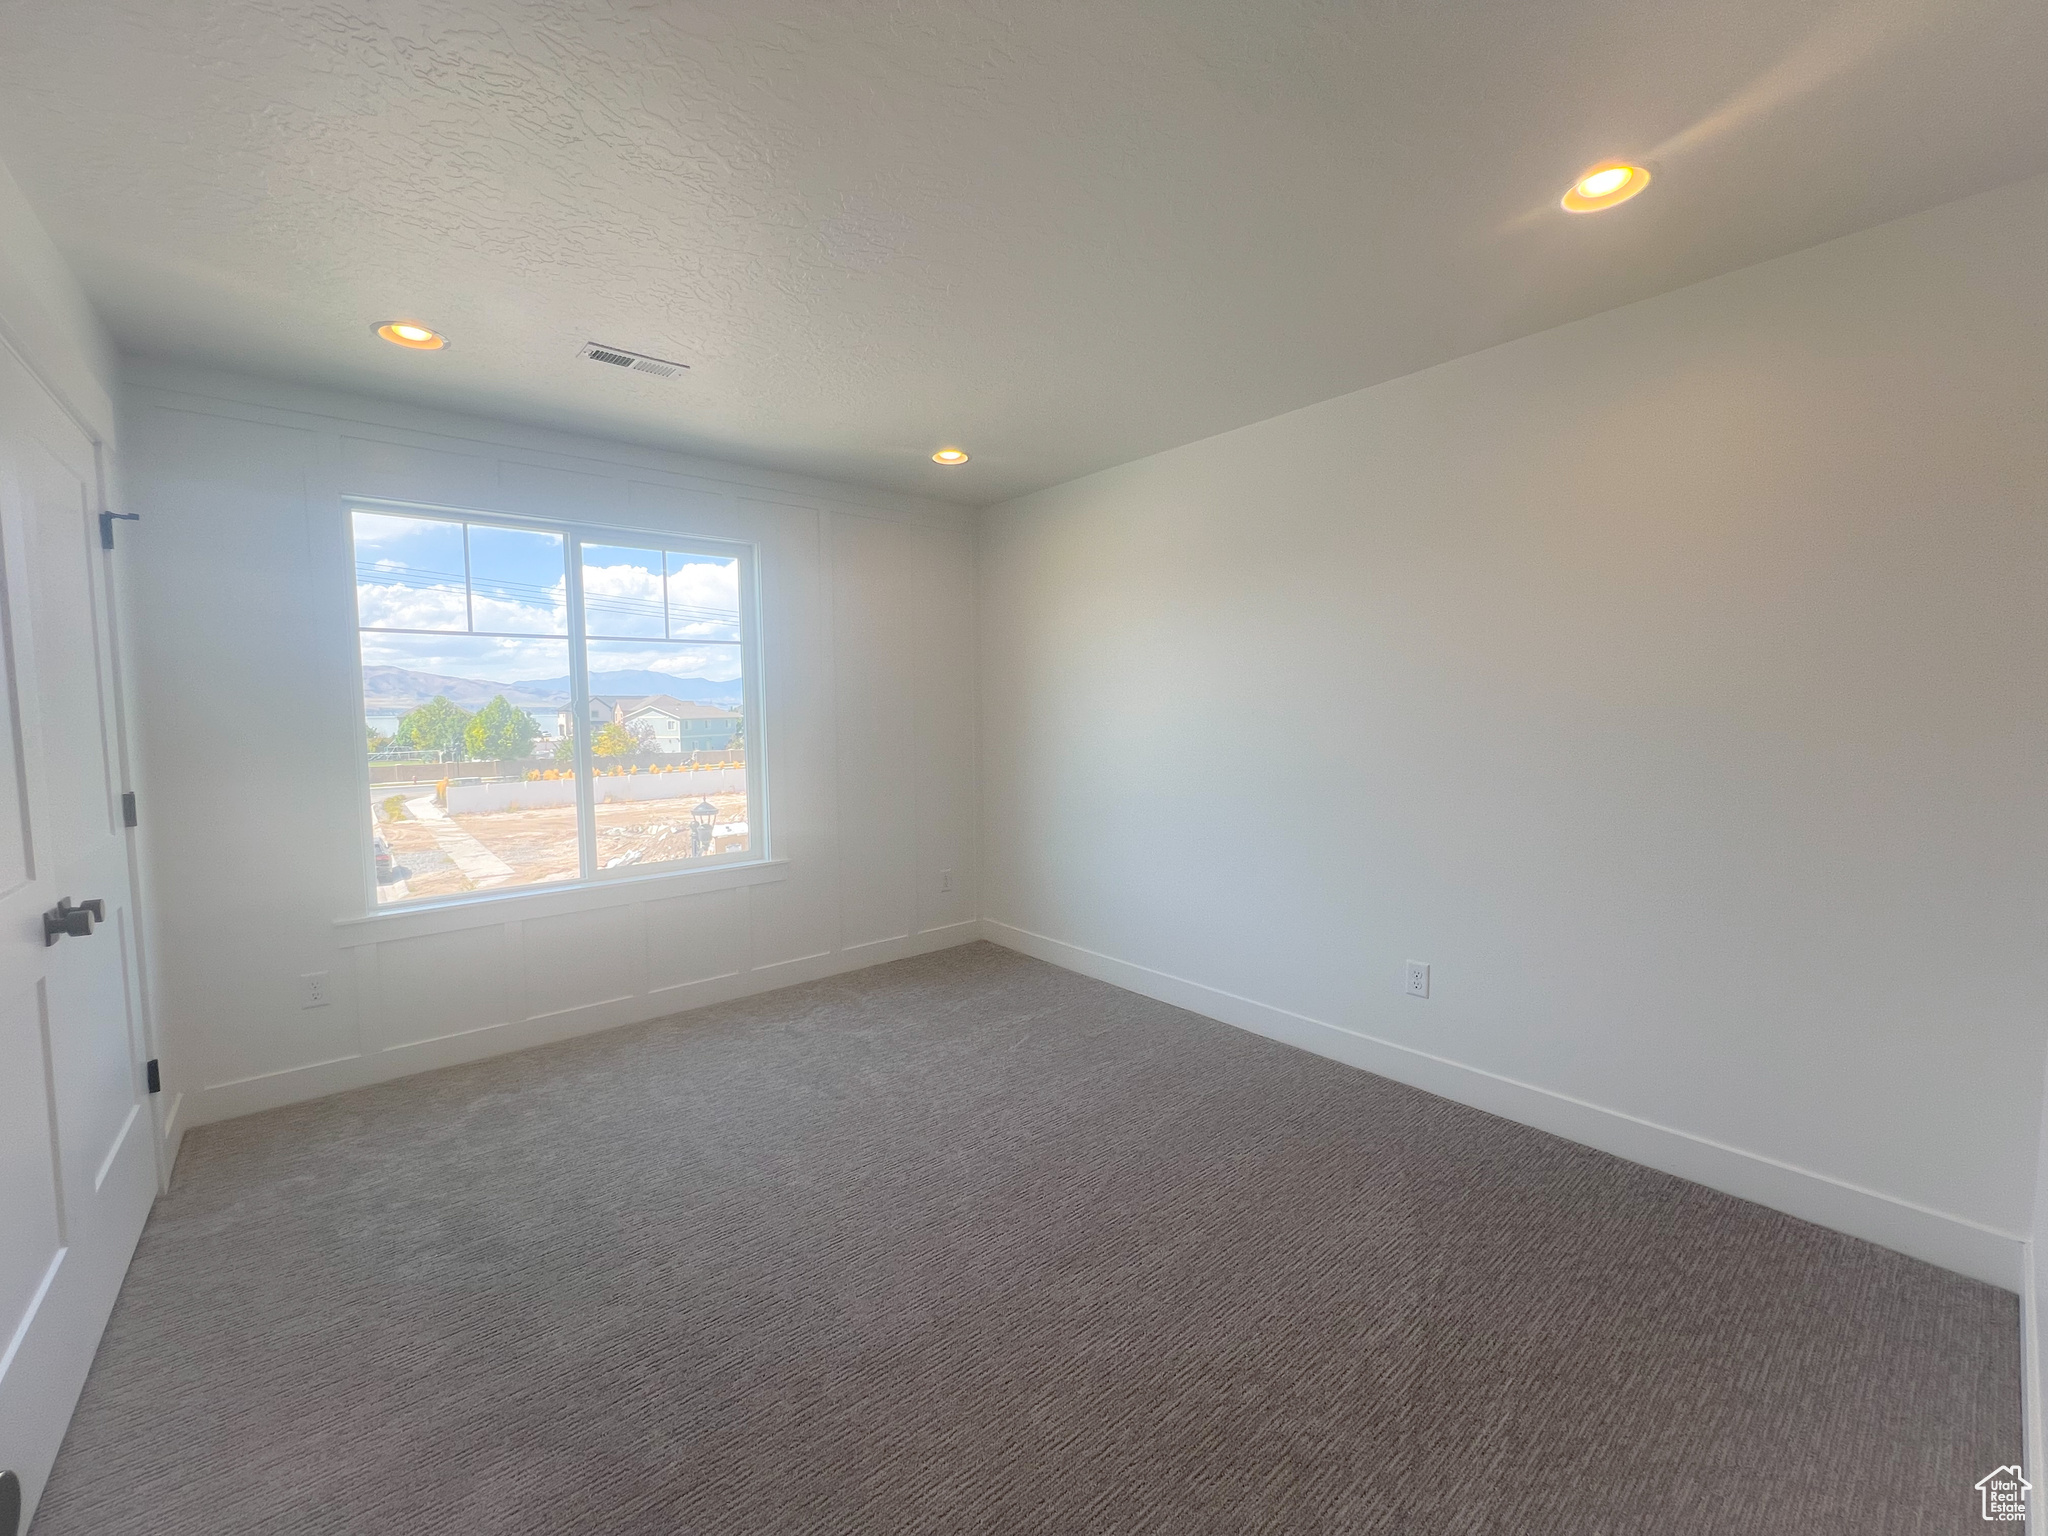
530,794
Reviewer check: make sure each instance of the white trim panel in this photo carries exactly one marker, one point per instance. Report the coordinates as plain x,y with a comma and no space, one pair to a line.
249,1095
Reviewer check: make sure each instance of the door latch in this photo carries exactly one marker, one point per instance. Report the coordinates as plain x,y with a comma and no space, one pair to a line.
64,920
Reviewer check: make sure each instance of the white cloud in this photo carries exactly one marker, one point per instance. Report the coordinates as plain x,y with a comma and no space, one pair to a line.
707,584
705,599
551,618
399,606
719,663
622,600
630,581
627,599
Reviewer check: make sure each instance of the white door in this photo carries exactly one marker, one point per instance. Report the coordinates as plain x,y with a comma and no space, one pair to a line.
78,1160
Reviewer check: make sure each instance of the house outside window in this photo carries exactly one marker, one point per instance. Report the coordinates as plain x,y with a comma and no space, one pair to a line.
547,704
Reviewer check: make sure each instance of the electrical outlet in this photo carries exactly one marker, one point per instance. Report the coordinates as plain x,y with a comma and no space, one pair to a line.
313,990
945,879
1418,979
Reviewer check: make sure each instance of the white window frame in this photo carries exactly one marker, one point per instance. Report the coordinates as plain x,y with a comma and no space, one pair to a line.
575,534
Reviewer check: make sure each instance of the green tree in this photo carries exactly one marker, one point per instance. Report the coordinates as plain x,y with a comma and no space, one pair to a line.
565,749
614,740
436,726
499,730
377,743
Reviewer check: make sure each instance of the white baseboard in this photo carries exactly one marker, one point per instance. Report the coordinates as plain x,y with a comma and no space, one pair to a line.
1953,1242
316,1080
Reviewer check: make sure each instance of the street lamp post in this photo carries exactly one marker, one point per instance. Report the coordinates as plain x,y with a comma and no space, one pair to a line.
701,820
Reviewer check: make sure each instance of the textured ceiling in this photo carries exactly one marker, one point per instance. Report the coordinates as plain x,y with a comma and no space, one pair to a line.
1062,235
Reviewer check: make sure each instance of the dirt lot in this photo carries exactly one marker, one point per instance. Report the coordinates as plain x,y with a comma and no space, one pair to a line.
540,845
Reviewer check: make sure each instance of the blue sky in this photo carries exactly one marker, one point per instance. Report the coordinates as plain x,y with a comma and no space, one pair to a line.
645,609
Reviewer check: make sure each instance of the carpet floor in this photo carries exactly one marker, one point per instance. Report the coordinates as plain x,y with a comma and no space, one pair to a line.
967,1243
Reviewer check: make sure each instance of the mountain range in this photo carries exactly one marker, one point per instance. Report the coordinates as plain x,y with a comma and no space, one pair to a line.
388,688
691,690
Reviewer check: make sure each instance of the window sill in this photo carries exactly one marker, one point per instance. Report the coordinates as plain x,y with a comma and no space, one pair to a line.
489,909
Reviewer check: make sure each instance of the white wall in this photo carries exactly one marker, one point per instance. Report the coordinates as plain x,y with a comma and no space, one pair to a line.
242,609
44,316
1673,683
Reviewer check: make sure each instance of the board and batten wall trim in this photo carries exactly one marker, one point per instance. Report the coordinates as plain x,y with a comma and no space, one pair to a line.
225,1101
242,595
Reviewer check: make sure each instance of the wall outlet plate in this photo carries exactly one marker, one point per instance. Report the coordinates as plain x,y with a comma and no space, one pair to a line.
1418,979
945,879
313,990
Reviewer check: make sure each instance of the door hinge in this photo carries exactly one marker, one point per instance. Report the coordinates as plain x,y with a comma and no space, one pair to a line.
156,1082
107,525
127,807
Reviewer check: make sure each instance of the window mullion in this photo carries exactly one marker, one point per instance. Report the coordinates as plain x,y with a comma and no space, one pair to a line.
579,704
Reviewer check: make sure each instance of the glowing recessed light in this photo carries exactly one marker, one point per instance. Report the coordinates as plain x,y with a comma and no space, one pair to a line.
1605,185
950,456
406,333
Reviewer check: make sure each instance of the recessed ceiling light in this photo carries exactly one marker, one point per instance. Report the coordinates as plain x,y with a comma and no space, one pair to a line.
1616,181
950,456
408,333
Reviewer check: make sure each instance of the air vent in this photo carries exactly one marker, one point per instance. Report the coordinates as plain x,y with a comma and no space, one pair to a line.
638,362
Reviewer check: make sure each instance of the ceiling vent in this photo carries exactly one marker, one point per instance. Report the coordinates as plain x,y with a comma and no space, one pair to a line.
638,362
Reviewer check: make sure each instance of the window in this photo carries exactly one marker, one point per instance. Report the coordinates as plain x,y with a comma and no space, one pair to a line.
543,703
